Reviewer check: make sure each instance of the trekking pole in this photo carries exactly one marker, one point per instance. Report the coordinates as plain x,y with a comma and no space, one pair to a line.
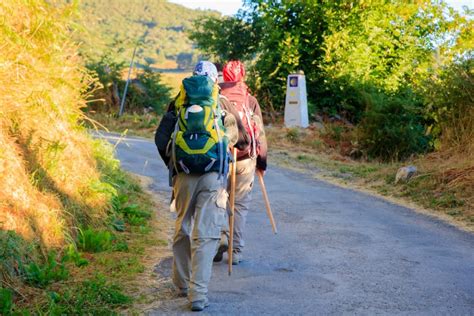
122,104
267,201
232,207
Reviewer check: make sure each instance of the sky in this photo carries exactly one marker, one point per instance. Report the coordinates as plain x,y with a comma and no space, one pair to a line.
230,7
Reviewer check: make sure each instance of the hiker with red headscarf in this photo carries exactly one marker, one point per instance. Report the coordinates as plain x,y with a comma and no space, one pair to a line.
250,160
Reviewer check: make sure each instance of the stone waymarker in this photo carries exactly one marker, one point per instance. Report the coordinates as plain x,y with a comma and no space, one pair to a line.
296,104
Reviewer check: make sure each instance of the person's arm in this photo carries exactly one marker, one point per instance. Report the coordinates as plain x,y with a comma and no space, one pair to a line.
164,131
262,139
243,139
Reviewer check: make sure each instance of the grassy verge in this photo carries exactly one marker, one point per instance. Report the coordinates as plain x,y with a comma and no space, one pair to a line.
97,272
443,184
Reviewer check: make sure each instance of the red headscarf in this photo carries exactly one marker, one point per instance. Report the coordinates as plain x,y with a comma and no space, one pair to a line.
234,70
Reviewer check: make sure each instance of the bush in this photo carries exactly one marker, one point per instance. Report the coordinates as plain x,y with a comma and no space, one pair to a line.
41,275
392,127
451,105
144,92
293,134
132,213
94,241
104,94
74,256
147,91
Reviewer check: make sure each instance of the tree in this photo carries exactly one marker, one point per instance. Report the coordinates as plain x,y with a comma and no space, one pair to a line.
226,38
356,55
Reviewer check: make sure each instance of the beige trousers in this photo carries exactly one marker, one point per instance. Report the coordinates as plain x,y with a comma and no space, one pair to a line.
200,206
244,182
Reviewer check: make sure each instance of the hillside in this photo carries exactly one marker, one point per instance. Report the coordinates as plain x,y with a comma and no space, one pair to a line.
160,26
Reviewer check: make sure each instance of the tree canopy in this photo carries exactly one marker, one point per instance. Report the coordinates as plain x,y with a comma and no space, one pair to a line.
358,56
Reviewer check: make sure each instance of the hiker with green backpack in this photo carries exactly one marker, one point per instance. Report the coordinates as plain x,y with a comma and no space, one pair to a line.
249,160
193,139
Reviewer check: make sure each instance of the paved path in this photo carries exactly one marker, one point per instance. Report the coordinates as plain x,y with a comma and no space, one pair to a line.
338,251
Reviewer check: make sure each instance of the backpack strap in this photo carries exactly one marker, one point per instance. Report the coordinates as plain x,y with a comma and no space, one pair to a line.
181,99
248,114
173,147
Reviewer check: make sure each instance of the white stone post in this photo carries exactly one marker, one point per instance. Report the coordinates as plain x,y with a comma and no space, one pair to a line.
296,103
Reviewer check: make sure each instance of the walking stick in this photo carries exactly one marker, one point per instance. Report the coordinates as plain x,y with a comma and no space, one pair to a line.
232,207
267,202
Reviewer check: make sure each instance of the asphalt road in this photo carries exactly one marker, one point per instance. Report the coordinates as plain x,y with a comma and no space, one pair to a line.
338,251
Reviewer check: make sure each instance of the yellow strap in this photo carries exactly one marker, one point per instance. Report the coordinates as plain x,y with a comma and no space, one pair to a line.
184,146
181,99
214,139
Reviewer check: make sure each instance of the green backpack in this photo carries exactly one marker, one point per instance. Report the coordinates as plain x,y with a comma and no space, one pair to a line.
199,143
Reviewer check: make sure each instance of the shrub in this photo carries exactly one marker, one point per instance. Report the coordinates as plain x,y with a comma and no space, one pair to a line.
132,213
145,91
72,255
104,93
41,275
91,240
451,105
392,127
293,134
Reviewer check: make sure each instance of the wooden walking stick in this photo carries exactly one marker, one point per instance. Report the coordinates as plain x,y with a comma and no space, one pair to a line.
232,207
267,201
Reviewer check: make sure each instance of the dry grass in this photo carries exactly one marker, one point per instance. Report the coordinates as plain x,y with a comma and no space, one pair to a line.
444,183
128,124
48,174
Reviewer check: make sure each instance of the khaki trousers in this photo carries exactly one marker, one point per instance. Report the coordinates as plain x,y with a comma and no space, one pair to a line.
200,206
243,187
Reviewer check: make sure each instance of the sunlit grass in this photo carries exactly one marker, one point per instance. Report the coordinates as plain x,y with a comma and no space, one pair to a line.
48,173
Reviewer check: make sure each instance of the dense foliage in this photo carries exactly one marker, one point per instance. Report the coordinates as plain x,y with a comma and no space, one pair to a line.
392,126
146,92
370,61
449,103
115,27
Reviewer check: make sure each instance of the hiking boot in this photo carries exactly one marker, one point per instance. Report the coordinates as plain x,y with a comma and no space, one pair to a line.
236,257
198,306
223,247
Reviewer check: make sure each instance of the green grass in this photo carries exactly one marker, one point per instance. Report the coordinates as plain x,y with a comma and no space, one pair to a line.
91,240
6,301
61,282
43,274
95,296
